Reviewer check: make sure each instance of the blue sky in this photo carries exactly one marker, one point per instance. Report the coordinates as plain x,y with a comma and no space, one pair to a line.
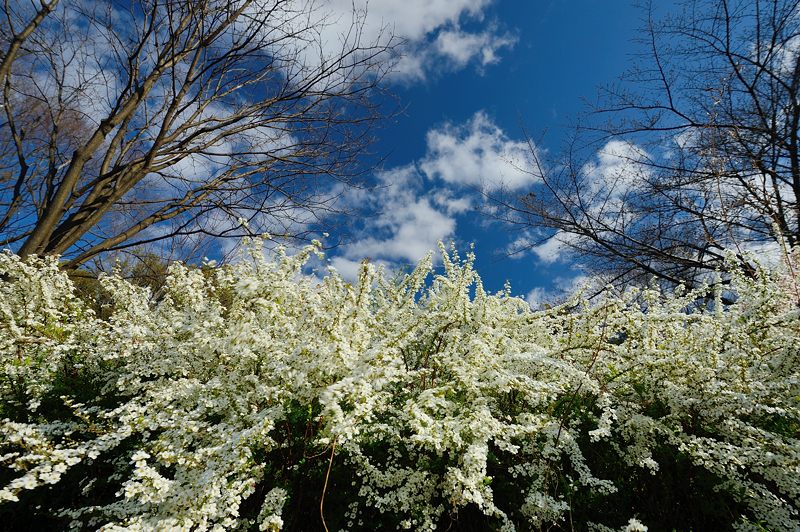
471,78
488,71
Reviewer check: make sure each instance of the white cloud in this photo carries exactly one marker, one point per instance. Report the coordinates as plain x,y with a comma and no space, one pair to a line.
521,246
413,19
410,67
479,154
434,38
450,202
768,254
620,167
618,170
415,230
537,297
461,47
408,223
560,290
555,248
416,205
347,268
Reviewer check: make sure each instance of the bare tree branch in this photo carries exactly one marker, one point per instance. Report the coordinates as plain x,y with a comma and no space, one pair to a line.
134,123
699,153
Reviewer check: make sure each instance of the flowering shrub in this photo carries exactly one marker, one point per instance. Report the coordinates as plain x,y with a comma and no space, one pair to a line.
252,397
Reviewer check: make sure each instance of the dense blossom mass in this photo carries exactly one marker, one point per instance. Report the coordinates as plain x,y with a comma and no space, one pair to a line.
252,396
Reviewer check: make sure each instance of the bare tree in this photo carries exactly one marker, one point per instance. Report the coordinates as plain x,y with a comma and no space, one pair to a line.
127,124
699,157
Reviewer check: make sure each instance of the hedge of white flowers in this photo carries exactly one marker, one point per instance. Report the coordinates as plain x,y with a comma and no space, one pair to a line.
251,396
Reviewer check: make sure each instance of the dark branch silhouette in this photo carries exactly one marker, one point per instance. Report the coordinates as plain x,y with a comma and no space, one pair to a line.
693,159
127,124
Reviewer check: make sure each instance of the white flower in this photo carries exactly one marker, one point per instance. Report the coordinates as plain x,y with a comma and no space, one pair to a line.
431,391
634,526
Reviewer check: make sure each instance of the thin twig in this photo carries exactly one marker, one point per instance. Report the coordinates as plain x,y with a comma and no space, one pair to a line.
325,486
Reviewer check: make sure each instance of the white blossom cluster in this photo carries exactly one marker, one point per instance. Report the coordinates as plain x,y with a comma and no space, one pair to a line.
432,392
